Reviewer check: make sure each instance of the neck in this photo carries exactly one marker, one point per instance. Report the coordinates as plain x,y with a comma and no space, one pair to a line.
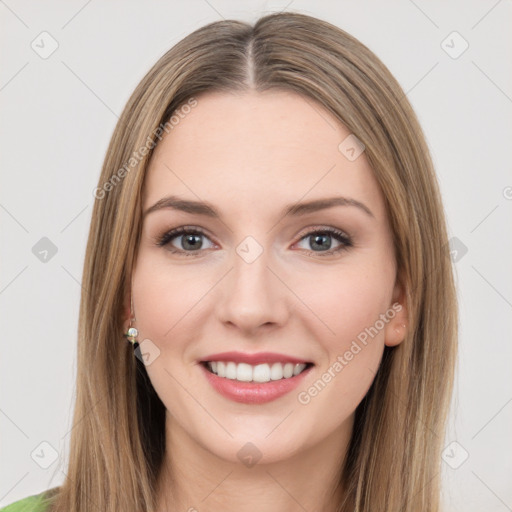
194,479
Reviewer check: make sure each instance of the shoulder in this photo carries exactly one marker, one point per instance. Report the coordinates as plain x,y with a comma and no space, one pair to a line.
34,503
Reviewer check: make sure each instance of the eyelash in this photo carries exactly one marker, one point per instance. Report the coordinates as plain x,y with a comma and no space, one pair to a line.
340,236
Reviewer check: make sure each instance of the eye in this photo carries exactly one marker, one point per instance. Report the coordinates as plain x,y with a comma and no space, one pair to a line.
188,237
322,239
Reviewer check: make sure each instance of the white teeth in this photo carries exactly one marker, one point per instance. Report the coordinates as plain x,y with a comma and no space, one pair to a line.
288,370
261,373
231,371
298,368
276,371
244,372
221,369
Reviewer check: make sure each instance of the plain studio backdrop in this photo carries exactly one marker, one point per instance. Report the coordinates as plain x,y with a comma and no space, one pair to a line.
66,72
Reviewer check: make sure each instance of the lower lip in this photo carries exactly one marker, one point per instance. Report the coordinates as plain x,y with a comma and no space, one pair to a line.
253,392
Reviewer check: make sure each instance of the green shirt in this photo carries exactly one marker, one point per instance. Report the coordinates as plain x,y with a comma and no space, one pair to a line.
34,503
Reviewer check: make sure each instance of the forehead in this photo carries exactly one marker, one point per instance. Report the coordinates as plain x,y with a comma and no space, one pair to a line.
256,148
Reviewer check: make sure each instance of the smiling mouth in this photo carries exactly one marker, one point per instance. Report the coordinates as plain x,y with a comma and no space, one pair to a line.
259,373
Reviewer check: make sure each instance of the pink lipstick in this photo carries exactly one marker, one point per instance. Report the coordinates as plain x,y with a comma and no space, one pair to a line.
254,378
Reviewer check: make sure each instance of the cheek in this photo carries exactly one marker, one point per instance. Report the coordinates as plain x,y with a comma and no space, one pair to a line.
351,334
353,343
349,303
163,299
163,302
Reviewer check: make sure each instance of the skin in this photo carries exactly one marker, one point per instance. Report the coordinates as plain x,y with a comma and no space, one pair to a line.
250,154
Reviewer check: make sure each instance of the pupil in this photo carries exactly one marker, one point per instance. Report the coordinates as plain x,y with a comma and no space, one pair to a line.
316,239
194,244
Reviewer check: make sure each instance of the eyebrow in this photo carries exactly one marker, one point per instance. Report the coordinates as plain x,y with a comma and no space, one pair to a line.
297,209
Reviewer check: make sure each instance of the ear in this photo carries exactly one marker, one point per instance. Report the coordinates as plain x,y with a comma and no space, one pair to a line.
396,329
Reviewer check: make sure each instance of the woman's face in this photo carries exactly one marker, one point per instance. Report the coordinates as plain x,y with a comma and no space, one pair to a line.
311,289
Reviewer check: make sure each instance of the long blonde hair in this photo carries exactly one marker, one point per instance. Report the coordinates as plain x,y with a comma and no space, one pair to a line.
394,459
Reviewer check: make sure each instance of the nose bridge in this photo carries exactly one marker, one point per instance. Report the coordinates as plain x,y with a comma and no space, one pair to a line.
253,295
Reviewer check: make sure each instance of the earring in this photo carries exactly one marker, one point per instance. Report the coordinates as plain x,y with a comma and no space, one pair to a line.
131,335
132,332
400,328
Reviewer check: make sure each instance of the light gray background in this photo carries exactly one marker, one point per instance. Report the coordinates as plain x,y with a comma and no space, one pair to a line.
57,117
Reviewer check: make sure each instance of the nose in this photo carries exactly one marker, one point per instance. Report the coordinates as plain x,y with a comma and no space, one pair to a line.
253,296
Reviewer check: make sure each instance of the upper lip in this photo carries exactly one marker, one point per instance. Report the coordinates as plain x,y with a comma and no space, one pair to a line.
254,359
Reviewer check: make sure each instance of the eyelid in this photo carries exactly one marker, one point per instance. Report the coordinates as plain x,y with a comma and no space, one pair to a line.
315,228
344,239
341,236
167,236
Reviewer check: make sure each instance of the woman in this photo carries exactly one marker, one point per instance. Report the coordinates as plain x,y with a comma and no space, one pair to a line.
268,236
